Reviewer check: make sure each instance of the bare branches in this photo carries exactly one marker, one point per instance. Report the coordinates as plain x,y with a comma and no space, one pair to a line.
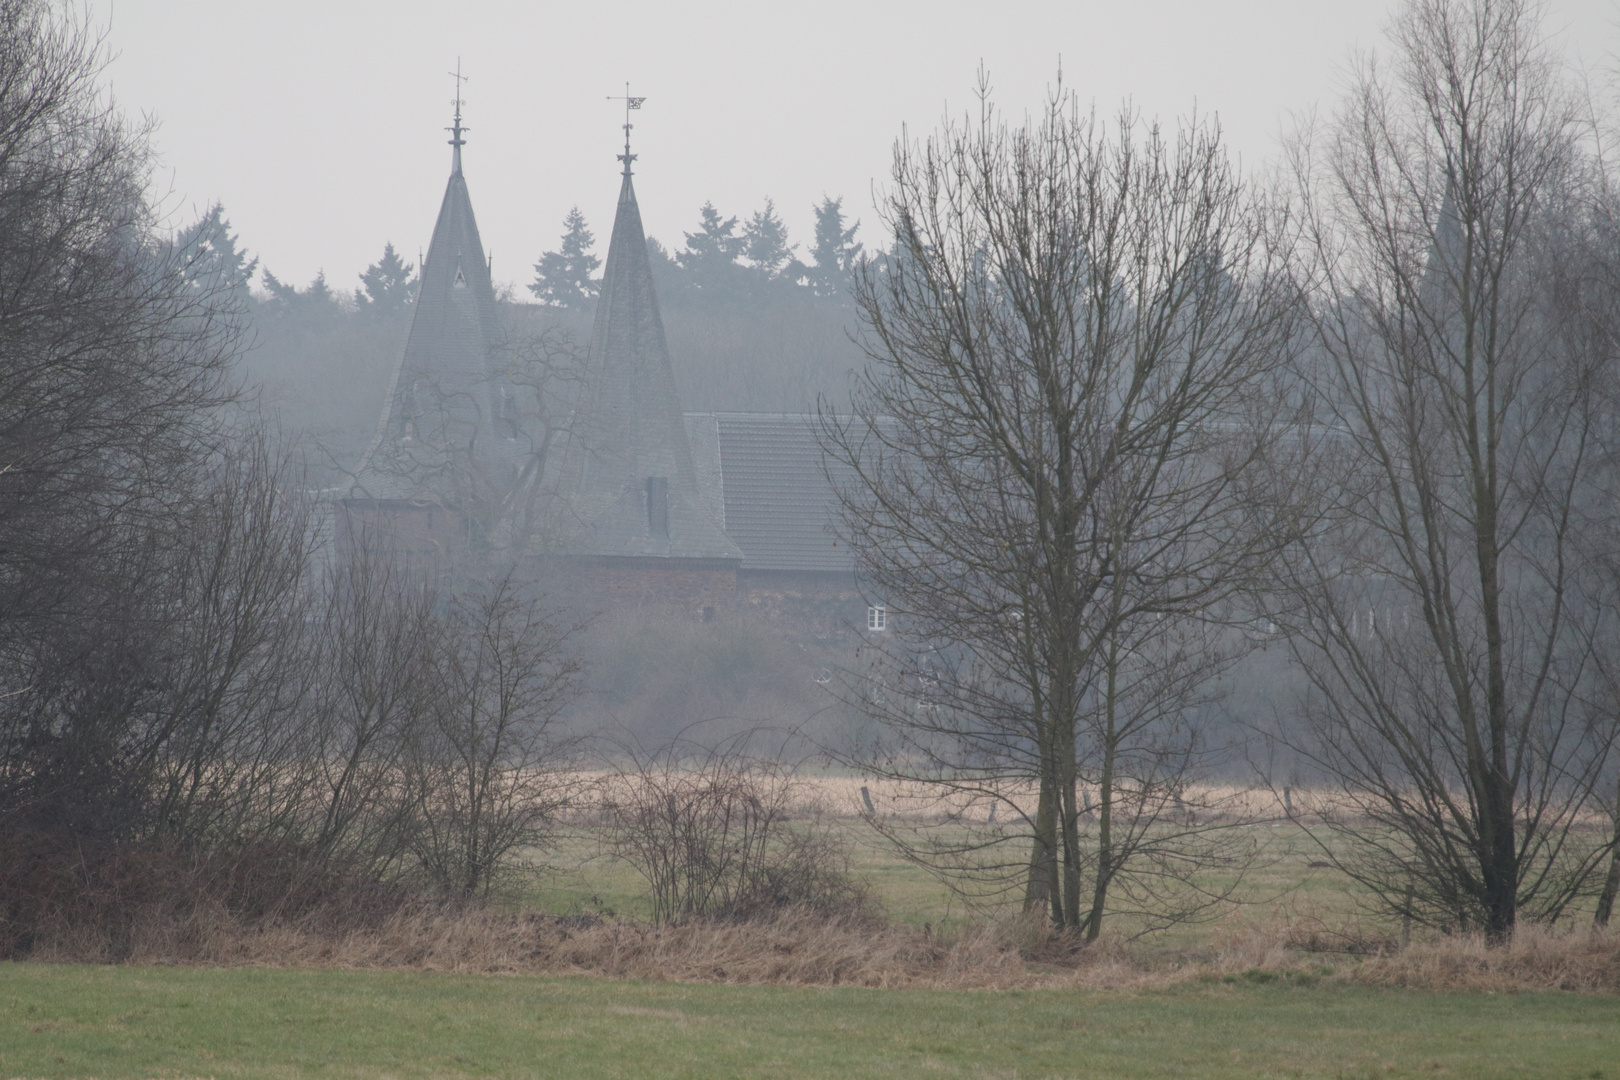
1438,610
488,765
709,829
113,363
113,357
1076,346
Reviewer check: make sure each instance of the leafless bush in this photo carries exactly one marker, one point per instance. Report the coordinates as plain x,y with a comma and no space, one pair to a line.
710,831
299,747
794,948
189,713
430,755
485,766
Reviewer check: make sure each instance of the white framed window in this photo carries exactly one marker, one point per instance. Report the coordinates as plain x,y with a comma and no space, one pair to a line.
877,617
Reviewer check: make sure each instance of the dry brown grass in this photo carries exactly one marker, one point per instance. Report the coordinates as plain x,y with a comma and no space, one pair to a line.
1586,961
796,949
1325,942
793,948
840,796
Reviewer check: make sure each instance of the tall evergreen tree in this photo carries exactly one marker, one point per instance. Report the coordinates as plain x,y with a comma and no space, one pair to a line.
311,304
835,252
711,254
389,284
765,242
563,278
668,277
209,255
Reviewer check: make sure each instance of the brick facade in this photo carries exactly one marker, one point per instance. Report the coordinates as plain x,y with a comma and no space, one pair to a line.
822,605
696,588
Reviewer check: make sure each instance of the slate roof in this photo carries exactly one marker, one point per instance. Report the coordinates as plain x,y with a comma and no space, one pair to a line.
455,427
765,472
628,426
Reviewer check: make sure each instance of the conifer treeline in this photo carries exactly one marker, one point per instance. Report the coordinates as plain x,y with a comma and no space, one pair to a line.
755,321
722,261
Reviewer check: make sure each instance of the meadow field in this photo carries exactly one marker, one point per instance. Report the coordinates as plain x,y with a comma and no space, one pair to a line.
567,977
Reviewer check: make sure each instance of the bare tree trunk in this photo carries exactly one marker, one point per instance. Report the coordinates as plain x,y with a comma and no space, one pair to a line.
1069,770
1080,322
1105,800
1040,890
1499,865
1611,884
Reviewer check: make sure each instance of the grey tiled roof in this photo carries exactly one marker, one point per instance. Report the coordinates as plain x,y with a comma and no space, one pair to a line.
765,469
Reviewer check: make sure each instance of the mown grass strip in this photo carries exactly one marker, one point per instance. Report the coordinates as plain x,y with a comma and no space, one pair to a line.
73,1021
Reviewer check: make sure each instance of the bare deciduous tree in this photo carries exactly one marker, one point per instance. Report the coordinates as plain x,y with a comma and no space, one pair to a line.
115,351
1440,609
1062,432
233,610
1175,849
378,638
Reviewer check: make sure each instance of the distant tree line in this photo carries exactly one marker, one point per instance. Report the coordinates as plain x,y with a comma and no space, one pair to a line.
753,322
750,325
719,264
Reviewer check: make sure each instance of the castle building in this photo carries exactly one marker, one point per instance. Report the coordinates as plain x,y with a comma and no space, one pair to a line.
629,502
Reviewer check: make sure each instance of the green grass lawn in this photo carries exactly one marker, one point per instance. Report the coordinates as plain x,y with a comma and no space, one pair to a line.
72,1021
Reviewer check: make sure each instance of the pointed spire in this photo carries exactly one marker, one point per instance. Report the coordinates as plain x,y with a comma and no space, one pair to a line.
453,429
628,478
456,130
1441,281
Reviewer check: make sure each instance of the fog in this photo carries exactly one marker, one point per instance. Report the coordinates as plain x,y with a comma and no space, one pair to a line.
319,125
319,130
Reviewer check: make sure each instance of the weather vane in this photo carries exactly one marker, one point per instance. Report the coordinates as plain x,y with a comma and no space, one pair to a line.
456,130
629,103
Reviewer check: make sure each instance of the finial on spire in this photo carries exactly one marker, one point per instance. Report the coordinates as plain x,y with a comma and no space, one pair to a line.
629,103
456,130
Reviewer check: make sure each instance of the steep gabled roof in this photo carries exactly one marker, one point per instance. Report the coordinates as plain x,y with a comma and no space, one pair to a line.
455,429
765,472
628,429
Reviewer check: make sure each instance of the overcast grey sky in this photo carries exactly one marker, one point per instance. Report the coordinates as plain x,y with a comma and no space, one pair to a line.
319,124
